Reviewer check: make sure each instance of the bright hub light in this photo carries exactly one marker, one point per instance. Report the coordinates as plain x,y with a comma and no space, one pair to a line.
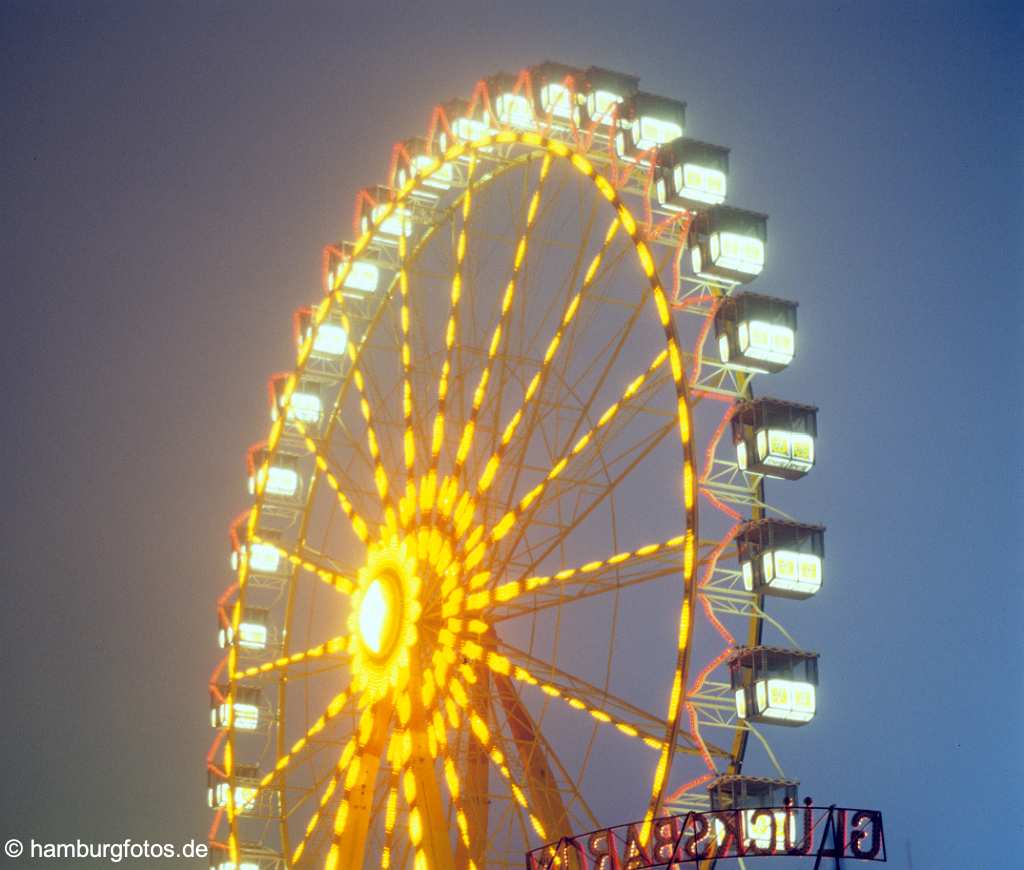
377,617
383,619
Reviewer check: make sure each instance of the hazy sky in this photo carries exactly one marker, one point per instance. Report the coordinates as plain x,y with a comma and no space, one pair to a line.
169,173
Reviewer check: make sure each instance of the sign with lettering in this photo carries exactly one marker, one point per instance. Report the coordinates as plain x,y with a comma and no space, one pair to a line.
817,832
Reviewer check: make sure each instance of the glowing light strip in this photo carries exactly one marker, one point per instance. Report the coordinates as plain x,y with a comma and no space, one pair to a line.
343,584
339,770
477,601
364,732
466,439
504,666
532,389
358,523
401,747
437,433
380,476
390,816
408,437
509,520
695,731
339,644
584,166
708,571
334,708
451,778
482,734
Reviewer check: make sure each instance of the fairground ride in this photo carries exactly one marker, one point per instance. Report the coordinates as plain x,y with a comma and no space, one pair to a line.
472,608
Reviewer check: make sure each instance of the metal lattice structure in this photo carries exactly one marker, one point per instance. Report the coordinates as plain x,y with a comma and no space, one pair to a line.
475,517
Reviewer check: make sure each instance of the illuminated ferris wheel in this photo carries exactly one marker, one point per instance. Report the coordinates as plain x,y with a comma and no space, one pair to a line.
472,610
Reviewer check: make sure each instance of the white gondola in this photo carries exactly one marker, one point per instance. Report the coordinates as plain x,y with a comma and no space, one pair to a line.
781,558
252,630
605,91
243,711
775,438
247,779
377,212
556,87
756,333
305,403
774,685
691,176
647,123
727,245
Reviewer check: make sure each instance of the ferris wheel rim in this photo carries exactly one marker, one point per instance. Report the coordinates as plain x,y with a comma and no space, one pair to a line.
582,165
583,139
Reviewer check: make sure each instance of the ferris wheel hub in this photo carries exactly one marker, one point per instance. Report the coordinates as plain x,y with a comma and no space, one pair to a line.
383,623
380,615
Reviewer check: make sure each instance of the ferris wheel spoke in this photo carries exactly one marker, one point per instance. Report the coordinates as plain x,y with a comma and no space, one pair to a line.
540,377
581,581
352,818
428,829
333,710
344,759
359,525
482,734
408,431
532,750
523,507
455,296
476,786
536,755
466,439
454,784
343,584
478,544
510,366
564,531
380,475
390,813
335,646
558,353
648,726
503,666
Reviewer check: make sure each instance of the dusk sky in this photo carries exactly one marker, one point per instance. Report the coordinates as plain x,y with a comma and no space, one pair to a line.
170,173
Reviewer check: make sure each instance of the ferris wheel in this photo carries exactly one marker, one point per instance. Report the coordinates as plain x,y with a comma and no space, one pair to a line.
472,610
